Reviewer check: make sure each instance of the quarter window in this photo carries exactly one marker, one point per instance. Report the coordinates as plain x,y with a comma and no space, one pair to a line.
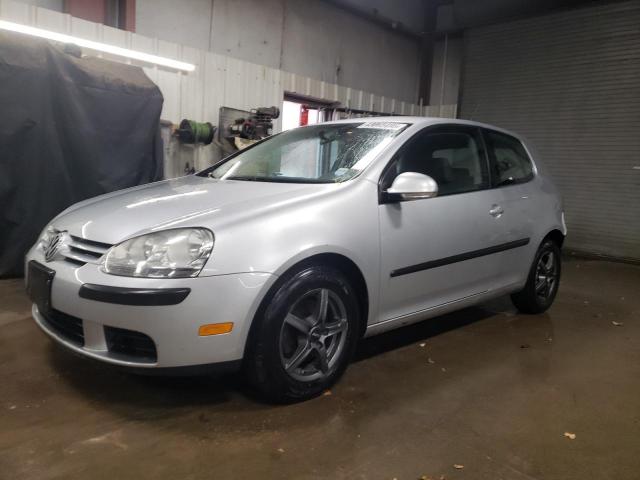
509,159
452,157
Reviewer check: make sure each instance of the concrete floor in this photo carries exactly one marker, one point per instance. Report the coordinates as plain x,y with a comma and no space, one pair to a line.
491,390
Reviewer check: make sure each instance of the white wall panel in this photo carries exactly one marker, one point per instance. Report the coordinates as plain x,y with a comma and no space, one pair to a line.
51,20
114,36
16,12
84,29
324,42
138,42
184,22
218,80
56,5
312,38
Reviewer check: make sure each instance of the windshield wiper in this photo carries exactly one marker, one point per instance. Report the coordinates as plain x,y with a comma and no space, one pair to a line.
249,178
277,179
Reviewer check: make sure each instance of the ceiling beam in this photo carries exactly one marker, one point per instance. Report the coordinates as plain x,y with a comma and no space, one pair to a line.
373,16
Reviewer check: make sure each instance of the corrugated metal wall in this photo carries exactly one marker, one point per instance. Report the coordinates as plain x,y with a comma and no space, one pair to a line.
218,80
570,82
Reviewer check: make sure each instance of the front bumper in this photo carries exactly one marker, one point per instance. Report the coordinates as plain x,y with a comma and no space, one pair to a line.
171,330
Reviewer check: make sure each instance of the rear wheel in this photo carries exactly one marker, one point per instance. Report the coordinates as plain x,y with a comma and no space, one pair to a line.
305,337
542,284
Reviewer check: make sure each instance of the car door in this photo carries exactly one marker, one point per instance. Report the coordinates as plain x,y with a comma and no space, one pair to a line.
513,176
438,250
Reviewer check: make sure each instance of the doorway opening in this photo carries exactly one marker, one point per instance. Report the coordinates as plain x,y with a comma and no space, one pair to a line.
298,112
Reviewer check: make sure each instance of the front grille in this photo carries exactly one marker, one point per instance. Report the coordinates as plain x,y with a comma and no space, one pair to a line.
134,346
67,326
81,251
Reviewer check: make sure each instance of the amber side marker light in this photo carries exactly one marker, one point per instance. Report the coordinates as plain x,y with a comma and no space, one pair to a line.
215,329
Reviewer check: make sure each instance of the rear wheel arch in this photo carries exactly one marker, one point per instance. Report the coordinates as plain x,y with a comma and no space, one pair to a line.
541,287
555,236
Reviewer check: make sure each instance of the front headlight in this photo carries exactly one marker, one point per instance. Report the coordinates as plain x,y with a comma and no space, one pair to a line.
45,237
177,253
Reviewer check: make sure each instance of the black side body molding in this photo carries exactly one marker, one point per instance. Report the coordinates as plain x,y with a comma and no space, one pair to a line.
149,297
459,258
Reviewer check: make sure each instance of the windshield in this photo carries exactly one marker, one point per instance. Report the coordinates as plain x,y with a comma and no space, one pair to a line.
325,153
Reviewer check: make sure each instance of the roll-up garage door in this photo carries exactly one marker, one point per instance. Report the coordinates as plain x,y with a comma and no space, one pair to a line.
570,83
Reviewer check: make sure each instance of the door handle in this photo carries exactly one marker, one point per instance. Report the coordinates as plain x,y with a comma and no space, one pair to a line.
496,211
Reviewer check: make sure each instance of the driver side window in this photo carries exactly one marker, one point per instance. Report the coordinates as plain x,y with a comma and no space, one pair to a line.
453,157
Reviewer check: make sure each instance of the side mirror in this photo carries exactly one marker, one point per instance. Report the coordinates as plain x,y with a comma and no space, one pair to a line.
411,186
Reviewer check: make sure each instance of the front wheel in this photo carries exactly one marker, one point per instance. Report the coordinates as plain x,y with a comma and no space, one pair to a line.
306,336
543,281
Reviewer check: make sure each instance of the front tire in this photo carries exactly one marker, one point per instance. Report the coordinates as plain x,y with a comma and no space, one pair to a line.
542,283
305,336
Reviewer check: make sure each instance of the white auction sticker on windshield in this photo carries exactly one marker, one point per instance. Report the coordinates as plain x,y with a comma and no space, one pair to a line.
384,125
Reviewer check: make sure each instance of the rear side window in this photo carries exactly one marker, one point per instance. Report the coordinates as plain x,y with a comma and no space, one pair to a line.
510,162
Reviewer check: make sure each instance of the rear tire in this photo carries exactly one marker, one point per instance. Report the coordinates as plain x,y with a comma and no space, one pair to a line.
542,283
305,335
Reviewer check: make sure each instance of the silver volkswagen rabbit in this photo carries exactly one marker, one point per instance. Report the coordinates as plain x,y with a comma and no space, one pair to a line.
279,258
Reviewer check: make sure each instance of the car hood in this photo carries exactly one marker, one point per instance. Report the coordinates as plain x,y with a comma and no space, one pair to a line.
185,201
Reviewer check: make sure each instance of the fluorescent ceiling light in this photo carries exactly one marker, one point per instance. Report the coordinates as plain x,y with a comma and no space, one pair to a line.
101,47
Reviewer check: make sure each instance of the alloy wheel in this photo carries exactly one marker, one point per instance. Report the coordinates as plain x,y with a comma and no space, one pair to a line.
313,335
546,275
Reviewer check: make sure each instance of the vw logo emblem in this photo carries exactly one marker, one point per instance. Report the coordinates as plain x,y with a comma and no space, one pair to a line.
54,245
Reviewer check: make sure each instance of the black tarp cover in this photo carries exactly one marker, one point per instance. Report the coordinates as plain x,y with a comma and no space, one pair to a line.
70,128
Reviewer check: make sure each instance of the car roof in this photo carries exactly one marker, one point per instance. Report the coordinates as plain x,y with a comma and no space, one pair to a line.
425,121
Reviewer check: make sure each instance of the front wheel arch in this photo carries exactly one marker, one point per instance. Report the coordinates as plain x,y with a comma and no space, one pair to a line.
341,263
265,360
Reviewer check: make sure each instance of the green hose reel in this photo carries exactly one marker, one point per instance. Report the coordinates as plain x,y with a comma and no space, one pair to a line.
191,131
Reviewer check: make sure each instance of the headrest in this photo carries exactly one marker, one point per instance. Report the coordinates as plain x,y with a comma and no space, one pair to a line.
442,171
447,140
